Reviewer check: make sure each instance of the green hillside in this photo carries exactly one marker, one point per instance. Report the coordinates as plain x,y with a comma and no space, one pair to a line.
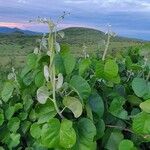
14,47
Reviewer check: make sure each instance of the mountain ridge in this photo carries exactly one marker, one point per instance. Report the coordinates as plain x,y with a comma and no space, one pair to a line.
8,30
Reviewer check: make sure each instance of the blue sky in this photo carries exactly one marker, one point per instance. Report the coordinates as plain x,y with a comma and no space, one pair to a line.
129,18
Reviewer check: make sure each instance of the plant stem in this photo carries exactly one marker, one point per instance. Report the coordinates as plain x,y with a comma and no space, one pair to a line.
51,40
120,128
106,47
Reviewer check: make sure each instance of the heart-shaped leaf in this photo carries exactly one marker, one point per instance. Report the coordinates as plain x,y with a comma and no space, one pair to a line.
74,105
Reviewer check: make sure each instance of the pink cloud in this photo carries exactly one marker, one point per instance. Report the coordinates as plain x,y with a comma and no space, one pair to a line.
14,25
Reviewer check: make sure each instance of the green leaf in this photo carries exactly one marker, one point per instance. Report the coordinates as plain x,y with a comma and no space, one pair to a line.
18,106
126,145
67,134
32,60
145,106
111,68
25,126
7,91
39,79
59,64
114,140
27,101
69,62
14,140
141,124
45,112
85,135
50,133
81,86
100,128
74,105
140,87
84,65
134,100
1,148
25,70
116,108
35,130
28,78
99,69
1,118
96,104
56,134
42,94
9,112
13,124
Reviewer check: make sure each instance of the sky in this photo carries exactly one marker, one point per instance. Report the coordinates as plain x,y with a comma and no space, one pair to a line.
130,18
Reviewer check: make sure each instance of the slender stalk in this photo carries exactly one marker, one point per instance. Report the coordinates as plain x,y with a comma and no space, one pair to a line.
120,128
51,40
106,47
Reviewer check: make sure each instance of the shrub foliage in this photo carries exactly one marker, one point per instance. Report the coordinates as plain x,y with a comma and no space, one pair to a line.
61,102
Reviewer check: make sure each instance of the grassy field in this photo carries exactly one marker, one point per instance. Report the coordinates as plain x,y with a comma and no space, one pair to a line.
14,47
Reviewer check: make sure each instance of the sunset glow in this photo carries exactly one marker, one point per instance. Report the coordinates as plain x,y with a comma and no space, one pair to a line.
121,14
12,25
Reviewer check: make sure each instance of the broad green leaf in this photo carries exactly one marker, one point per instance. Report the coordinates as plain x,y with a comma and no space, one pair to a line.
56,134
100,128
50,133
23,116
147,96
141,124
14,140
99,69
111,68
7,91
28,78
39,79
126,145
27,101
140,87
96,104
116,108
67,134
134,100
69,62
25,126
25,70
59,64
145,106
9,112
35,130
42,94
80,86
32,60
114,140
86,132
74,105
18,106
1,148
45,112
1,118
84,65
13,124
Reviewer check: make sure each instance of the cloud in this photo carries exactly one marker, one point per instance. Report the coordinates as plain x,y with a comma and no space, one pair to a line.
124,15
22,1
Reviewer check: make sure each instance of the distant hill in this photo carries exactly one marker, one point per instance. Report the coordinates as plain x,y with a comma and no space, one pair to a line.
6,30
80,35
